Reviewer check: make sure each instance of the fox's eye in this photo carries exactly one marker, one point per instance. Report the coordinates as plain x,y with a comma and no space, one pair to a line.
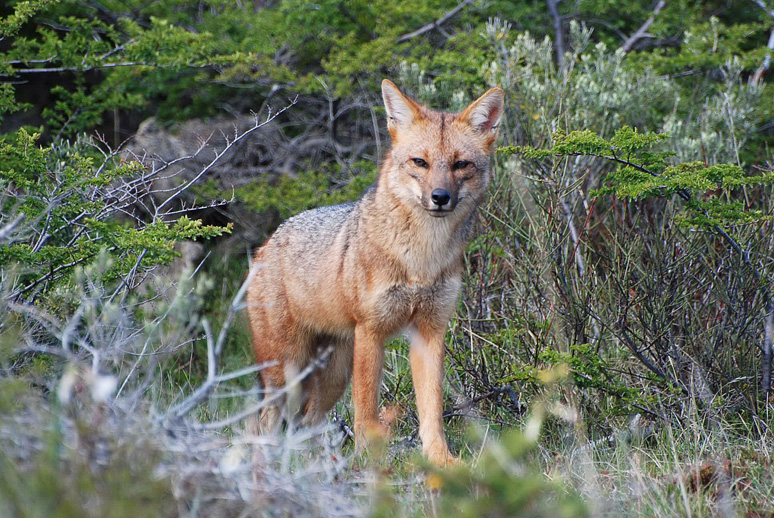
420,163
462,164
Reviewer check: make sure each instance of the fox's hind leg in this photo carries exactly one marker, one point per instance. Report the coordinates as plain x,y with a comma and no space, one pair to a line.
283,351
326,386
270,419
273,380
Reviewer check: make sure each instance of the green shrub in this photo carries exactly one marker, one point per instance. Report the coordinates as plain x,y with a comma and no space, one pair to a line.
61,202
291,195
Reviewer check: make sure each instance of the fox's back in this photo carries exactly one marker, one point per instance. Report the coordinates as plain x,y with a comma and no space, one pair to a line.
311,233
303,259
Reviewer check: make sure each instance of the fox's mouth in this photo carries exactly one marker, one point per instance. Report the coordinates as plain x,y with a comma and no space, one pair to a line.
438,213
434,210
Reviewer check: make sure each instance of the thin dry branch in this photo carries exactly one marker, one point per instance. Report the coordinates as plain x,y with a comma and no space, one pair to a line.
214,349
229,144
435,24
7,229
642,32
758,74
58,70
318,363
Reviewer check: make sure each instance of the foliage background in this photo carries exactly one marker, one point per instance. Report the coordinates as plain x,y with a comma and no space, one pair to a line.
612,350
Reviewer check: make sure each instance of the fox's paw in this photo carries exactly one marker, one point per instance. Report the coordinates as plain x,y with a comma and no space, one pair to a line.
443,459
373,431
371,435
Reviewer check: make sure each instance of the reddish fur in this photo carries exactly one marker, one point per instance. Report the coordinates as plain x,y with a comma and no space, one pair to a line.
352,276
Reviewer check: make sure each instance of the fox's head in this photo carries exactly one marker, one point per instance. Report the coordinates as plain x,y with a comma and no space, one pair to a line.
439,161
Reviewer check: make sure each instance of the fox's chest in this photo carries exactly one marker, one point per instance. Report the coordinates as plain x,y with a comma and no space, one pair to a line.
397,305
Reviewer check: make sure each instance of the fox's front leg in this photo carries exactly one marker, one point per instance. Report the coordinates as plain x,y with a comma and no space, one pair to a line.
366,379
426,356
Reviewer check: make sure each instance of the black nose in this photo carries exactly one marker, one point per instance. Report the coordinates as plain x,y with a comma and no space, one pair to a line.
440,197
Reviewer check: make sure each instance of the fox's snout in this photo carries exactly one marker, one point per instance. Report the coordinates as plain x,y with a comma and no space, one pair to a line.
440,197
439,201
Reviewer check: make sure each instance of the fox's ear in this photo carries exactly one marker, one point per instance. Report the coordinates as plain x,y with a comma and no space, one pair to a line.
401,111
484,114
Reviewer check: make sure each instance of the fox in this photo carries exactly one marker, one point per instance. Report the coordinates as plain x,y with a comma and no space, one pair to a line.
349,277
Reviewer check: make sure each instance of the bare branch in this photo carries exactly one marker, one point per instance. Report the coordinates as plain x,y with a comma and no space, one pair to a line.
575,235
52,274
201,393
214,349
219,155
436,24
642,32
758,74
9,228
317,363
57,70
768,351
765,7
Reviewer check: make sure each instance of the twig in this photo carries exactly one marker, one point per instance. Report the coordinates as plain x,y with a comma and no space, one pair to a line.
46,349
214,349
7,229
57,70
763,6
235,306
201,393
218,156
319,362
127,280
758,74
347,432
580,263
633,348
436,24
51,275
642,32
